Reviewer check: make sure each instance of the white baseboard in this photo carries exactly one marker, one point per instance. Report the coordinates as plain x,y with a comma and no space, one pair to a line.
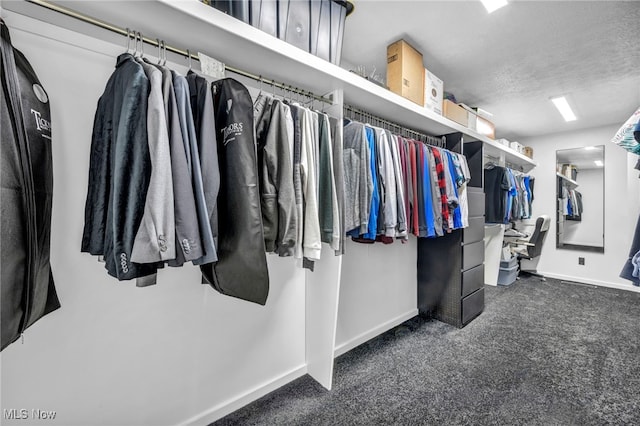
219,411
376,331
628,287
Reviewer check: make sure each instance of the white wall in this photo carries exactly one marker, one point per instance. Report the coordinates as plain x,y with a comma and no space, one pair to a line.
622,206
378,290
114,353
590,230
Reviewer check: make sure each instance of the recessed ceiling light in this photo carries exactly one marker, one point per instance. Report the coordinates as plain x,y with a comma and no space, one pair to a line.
493,5
564,108
599,163
589,148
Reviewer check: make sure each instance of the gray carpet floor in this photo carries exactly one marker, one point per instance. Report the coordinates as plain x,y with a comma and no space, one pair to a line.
542,353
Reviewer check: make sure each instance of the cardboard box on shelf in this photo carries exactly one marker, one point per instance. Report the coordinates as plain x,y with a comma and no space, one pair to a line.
480,124
485,127
528,151
455,112
405,71
433,92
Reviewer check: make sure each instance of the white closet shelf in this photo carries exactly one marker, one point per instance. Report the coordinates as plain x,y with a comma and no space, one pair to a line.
512,158
572,184
190,24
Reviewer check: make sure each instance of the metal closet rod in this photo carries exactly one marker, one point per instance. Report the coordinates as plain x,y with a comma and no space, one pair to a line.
122,31
440,142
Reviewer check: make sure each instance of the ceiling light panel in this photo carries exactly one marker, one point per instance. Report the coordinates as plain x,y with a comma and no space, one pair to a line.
564,108
493,5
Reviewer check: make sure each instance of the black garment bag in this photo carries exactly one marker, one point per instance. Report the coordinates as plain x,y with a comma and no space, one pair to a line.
241,270
26,183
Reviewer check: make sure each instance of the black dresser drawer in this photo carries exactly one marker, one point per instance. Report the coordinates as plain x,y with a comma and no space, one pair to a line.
472,306
475,231
472,280
476,201
472,255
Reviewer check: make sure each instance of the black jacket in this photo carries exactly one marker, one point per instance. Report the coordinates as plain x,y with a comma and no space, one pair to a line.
120,169
26,166
241,270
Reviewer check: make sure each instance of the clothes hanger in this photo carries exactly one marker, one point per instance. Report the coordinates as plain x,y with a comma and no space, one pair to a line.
141,45
164,48
129,41
189,59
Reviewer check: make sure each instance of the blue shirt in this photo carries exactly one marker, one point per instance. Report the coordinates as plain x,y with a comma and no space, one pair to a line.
375,197
457,214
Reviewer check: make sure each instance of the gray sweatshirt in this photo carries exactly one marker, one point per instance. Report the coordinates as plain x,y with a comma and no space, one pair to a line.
401,229
388,178
358,183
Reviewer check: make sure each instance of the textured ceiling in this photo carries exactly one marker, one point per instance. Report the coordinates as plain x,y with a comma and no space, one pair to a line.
512,61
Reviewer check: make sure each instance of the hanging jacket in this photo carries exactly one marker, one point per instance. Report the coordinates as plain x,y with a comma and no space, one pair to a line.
413,165
358,184
427,194
401,226
275,174
374,209
311,244
190,139
154,240
296,115
436,196
442,184
119,171
328,210
338,169
422,214
205,127
241,269
187,237
28,291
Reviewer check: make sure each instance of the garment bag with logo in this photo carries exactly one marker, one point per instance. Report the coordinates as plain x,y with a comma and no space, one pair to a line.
28,291
241,270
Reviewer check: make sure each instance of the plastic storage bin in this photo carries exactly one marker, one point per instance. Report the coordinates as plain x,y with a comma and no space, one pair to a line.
508,264
236,8
315,26
264,15
507,276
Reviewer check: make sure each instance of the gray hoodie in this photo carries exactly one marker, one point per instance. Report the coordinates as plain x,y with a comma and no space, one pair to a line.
358,183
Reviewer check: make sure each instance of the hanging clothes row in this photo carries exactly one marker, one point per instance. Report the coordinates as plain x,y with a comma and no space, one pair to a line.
173,179
395,186
301,178
571,204
508,194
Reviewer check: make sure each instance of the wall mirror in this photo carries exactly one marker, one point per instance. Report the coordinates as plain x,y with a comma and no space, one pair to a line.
580,199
